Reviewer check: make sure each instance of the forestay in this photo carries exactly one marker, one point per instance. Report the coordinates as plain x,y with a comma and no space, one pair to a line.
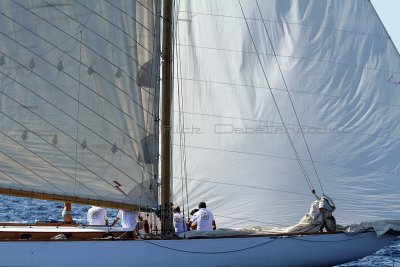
79,99
342,73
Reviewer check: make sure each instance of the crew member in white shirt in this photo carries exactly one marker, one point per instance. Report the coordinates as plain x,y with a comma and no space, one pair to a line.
97,216
178,221
129,219
66,212
203,219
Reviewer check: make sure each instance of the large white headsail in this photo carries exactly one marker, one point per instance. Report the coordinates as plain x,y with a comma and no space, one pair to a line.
342,73
79,99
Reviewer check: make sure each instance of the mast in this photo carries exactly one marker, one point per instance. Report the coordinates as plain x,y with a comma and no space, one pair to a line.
166,101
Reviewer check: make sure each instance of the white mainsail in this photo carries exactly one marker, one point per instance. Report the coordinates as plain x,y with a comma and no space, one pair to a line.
79,99
339,65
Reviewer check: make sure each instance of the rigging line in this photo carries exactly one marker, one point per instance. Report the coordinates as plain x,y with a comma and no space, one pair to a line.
145,151
328,97
116,26
326,61
66,154
181,106
90,89
307,178
73,78
84,25
176,65
10,177
155,107
341,131
253,221
291,90
384,27
56,107
142,166
291,100
88,17
66,134
314,129
240,185
214,252
183,165
178,91
76,100
108,42
56,46
329,241
183,150
390,172
270,124
156,102
145,7
177,61
238,152
48,162
70,56
185,154
77,113
28,169
151,119
293,23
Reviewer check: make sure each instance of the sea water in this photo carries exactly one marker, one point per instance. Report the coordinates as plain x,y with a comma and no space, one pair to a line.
14,209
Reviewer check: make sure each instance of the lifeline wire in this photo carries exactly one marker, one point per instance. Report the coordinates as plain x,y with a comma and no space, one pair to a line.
307,178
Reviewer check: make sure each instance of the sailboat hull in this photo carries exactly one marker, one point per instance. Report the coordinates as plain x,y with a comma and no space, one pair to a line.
309,250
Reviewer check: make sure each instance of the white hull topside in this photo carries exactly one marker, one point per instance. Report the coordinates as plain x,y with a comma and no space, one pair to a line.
307,250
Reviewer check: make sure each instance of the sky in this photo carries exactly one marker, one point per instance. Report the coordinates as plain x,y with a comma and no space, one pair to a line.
388,11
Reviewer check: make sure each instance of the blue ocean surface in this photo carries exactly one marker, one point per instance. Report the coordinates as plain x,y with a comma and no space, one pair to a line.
14,209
